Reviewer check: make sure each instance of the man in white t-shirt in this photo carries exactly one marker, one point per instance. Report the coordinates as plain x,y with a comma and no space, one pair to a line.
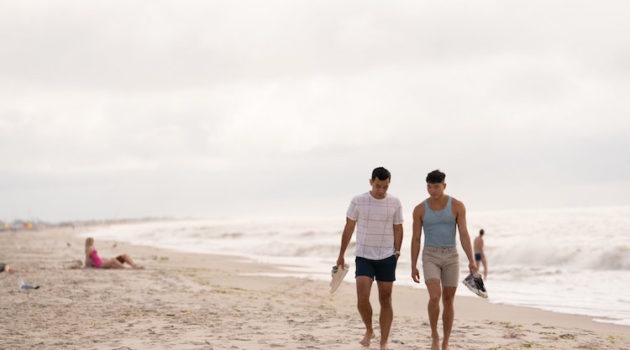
378,218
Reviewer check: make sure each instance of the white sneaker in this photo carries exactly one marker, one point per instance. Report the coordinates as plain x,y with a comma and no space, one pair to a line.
475,285
337,273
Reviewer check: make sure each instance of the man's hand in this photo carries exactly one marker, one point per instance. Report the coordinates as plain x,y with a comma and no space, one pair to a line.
340,261
415,274
472,267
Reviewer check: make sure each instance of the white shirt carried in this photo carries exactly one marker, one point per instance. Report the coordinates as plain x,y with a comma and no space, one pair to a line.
375,224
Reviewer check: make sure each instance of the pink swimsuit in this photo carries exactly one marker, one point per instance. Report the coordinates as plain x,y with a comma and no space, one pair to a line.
96,260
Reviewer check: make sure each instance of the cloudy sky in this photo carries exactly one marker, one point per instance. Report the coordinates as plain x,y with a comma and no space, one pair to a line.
113,109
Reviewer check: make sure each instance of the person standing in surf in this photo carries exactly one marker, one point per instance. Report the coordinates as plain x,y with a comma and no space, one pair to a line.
440,215
480,254
377,216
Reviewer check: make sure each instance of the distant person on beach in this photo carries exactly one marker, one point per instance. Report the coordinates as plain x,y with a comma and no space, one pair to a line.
440,215
379,237
6,268
92,259
480,255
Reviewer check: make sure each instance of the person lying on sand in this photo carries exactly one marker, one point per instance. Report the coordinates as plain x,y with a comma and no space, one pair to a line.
93,260
6,268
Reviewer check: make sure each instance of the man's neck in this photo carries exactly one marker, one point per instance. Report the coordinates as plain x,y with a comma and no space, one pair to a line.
441,199
375,197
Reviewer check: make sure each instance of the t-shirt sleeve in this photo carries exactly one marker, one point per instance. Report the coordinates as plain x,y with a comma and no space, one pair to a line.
353,210
398,216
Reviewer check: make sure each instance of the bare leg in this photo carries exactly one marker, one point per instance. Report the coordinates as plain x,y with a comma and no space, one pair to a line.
387,312
364,286
433,285
127,259
448,299
112,264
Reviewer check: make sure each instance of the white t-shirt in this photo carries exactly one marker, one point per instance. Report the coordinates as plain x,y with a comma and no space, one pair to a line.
375,224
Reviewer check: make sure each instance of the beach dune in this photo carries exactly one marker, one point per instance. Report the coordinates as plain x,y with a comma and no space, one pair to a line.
198,301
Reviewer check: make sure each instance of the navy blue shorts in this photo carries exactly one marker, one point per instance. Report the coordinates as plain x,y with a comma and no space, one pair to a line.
380,270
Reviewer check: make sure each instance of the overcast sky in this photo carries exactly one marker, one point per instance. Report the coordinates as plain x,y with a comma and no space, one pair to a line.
113,109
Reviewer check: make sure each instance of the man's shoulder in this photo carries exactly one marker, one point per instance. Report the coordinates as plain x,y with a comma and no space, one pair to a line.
418,210
419,206
457,202
458,205
393,199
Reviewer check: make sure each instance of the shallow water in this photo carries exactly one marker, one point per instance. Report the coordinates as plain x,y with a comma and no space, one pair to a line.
566,260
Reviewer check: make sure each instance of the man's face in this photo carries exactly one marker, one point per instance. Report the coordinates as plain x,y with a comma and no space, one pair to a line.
379,188
436,190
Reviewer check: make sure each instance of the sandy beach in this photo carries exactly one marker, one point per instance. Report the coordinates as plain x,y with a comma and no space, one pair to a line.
198,301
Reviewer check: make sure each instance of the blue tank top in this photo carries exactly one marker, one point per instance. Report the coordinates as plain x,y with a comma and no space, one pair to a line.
439,226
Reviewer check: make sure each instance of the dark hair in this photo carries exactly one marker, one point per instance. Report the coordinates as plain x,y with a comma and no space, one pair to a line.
481,232
435,177
382,174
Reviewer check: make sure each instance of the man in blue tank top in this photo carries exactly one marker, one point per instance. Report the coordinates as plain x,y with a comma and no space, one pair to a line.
440,215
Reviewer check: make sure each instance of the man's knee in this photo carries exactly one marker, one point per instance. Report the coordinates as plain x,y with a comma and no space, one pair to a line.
385,293
385,299
434,298
363,302
435,293
448,296
363,299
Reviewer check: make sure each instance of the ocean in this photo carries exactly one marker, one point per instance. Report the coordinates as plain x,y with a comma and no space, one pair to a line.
573,260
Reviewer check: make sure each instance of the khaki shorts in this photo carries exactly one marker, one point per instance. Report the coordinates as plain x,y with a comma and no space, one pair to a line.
441,264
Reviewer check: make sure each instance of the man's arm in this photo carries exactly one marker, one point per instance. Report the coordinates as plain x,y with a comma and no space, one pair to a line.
464,237
348,230
398,237
418,214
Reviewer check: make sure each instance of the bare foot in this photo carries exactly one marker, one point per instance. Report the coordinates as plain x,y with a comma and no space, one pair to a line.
138,267
435,343
444,345
384,347
367,338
